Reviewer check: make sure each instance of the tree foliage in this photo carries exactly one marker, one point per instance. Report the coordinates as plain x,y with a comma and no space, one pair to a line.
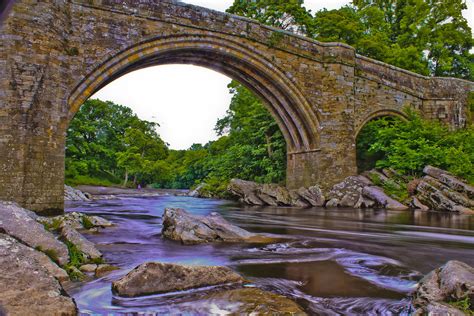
408,146
108,141
430,37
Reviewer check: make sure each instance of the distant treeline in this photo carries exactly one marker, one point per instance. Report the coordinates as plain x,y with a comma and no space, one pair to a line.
108,144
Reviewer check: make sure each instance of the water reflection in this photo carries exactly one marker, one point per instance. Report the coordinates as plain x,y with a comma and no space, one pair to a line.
330,261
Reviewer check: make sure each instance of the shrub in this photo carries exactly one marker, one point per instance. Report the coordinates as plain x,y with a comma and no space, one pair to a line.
408,146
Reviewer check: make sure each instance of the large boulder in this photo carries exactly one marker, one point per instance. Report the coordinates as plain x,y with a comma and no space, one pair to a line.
28,286
246,191
452,282
252,301
155,277
313,196
21,224
441,191
274,194
437,197
348,193
381,199
71,194
271,194
450,180
69,234
192,229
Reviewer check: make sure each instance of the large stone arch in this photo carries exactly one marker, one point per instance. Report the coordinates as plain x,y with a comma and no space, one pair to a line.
55,54
288,106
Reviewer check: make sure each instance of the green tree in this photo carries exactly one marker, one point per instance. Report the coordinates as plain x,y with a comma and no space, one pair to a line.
289,15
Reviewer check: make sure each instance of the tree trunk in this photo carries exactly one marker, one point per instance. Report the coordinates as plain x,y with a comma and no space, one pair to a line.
269,145
126,178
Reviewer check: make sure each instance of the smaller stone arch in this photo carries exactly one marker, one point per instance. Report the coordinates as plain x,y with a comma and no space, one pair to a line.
378,114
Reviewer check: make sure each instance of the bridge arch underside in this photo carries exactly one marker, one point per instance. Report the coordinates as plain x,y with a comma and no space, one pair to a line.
282,98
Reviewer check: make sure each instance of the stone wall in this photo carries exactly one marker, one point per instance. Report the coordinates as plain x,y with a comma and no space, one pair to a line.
54,55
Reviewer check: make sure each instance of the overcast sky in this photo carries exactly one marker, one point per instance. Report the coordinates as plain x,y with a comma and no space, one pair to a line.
187,100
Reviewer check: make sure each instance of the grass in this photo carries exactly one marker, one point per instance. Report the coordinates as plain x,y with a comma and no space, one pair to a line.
464,305
86,222
396,190
76,259
87,180
54,225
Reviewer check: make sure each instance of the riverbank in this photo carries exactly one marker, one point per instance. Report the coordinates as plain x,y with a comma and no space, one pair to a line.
103,191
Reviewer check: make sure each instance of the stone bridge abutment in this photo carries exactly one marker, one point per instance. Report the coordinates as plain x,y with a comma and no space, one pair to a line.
53,56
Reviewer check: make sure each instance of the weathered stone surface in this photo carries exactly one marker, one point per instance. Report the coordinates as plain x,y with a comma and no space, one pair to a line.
19,223
313,195
98,221
278,194
85,246
190,229
246,191
75,220
71,194
90,268
103,269
197,191
416,204
381,199
451,282
449,180
435,199
27,286
155,277
253,301
321,95
348,192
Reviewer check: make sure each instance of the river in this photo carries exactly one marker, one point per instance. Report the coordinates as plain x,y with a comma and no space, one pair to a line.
337,261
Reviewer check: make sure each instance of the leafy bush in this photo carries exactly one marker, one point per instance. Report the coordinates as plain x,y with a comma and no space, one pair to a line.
408,146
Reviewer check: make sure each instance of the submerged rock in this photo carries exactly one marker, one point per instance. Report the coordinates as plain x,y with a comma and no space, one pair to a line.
191,229
75,220
253,301
452,282
21,224
103,269
28,287
155,277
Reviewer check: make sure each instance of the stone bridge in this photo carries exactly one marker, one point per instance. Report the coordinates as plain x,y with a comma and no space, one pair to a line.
56,54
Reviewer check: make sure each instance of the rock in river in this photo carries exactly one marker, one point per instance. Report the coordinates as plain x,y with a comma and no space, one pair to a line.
452,282
21,224
155,277
27,287
252,301
88,248
192,229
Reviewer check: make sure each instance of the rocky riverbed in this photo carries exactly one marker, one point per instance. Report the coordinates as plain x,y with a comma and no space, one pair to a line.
437,190
167,254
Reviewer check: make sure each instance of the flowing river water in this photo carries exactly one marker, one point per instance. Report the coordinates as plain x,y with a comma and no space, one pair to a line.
330,261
